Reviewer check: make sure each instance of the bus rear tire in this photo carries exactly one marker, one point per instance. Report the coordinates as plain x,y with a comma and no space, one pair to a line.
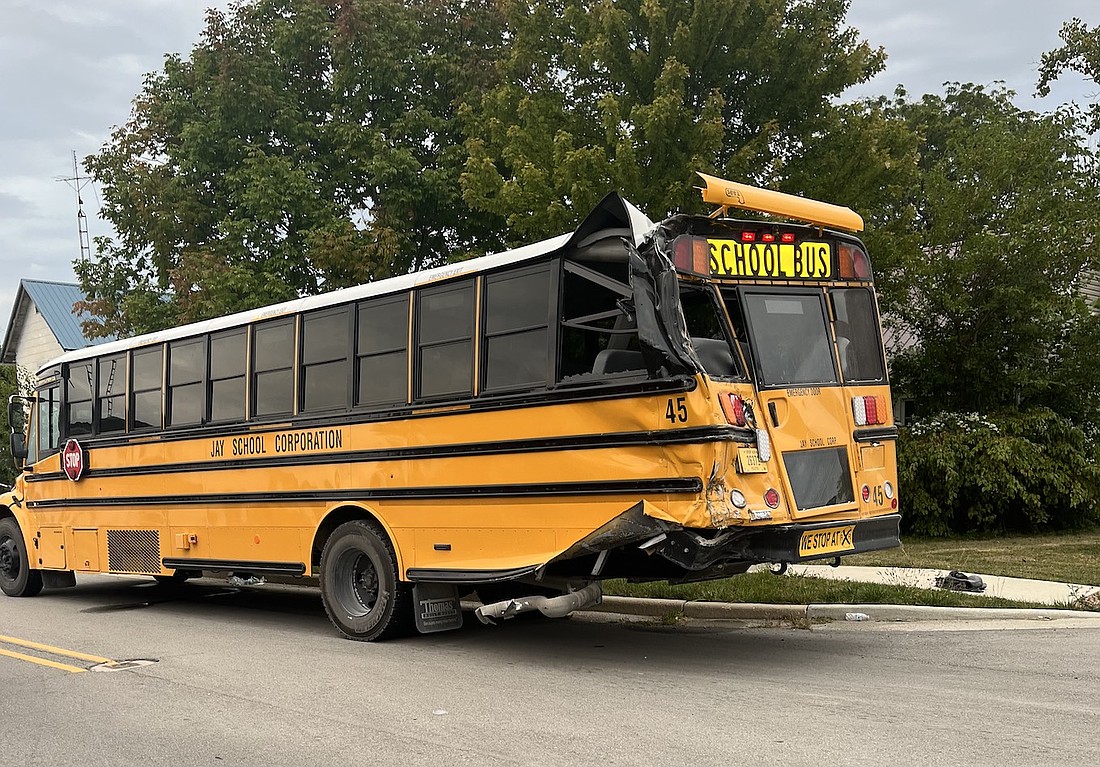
17,579
360,584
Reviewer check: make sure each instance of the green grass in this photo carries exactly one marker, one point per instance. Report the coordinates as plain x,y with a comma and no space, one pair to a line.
799,590
1069,557
1073,558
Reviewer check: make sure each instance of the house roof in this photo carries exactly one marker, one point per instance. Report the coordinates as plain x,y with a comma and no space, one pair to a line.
54,301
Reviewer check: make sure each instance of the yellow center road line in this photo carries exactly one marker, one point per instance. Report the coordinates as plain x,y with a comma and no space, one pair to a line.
42,661
53,650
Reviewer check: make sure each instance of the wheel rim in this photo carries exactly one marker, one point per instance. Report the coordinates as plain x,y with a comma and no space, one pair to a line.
9,559
357,587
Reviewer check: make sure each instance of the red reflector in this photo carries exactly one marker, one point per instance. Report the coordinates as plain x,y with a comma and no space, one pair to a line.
866,493
748,236
738,409
771,498
767,237
894,503
786,237
734,408
871,406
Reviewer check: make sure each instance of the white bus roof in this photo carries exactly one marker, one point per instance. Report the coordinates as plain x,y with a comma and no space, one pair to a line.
639,224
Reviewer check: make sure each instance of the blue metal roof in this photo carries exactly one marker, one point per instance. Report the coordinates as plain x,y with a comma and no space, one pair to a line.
55,302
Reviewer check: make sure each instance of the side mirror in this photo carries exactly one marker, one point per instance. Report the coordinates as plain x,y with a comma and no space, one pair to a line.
18,443
17,413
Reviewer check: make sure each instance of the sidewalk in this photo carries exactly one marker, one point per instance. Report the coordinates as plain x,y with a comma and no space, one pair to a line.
1018,589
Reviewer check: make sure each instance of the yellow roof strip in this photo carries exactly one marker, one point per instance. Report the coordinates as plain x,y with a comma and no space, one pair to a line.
730,194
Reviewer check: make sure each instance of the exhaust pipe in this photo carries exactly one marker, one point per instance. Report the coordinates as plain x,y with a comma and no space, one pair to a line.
551,607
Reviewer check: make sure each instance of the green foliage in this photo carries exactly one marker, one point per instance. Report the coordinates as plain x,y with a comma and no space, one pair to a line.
304,145
1079,53
9,385
989,286
636,95
1013,471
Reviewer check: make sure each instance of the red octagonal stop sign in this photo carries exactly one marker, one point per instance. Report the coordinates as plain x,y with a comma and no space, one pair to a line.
72,460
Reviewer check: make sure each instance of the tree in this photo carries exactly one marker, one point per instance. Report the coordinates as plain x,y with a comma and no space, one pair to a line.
9,385
305,144
635,95
1006,204
1080,53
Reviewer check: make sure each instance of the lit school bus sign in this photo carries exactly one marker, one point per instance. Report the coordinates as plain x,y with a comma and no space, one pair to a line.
771,260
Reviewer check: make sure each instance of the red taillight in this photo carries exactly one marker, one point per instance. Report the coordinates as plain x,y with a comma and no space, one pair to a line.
748,236
854,263
692,255
771,498
734,409
767,237
869,410
786,238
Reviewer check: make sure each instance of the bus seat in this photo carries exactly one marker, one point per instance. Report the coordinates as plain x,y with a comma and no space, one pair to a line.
618,361
715,355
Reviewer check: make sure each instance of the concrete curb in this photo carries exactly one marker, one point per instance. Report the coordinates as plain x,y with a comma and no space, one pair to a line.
660,608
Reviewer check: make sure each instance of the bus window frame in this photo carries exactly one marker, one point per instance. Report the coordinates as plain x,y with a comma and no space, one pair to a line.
875,316
132,390
351,326
211,379
293,320
406,300
818,291
724,324
551,270
467,282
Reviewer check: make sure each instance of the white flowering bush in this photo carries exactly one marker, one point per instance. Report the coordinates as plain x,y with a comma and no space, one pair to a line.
1014,471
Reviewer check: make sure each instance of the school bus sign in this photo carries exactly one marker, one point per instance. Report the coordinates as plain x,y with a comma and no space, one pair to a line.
771,260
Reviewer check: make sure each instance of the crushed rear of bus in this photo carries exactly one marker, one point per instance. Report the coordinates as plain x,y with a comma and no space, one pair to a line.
777,324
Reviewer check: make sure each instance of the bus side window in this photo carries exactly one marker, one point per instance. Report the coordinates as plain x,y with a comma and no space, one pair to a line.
326,349
46,426
599,335
273,368
111,394
382,352
228,358
78,400
705,328
516,329
146,388
445,341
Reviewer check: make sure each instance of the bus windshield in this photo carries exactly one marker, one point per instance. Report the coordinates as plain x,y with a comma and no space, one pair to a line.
790,338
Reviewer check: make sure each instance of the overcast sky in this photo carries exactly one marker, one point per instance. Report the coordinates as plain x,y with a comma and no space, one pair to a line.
71,67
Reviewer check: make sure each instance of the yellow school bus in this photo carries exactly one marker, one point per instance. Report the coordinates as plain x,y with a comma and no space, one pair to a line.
676,400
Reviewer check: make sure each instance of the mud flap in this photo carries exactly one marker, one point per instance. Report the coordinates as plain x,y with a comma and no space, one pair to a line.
436,607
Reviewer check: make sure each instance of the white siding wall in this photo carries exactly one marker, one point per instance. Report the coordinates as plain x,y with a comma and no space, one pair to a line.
36,344
1090,287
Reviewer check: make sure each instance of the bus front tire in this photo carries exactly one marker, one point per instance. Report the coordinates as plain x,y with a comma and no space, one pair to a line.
360,585
17,579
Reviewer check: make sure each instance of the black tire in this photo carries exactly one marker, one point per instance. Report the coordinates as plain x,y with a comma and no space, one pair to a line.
360,585
17,578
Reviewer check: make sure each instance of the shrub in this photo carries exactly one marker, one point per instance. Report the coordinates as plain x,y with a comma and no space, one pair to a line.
1014,471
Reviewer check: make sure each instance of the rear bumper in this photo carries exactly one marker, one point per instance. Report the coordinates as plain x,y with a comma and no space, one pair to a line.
781,544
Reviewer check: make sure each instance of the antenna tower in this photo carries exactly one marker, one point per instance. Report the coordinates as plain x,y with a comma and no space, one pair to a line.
78,182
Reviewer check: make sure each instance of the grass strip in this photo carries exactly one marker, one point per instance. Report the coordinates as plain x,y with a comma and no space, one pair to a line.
763,587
